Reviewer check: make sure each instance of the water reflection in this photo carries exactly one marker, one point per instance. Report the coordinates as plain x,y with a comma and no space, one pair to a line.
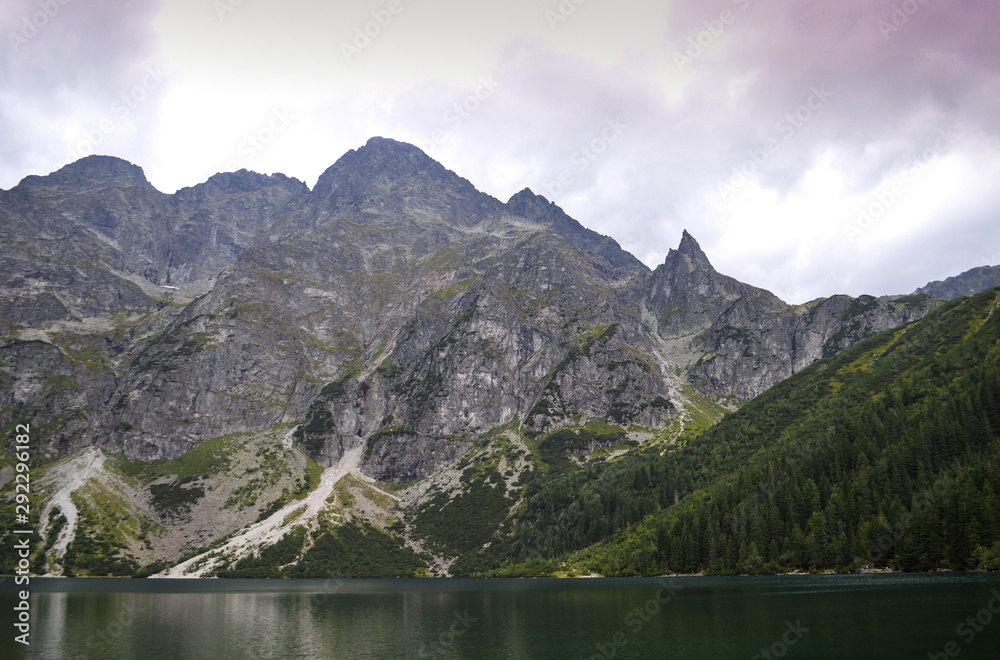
828,616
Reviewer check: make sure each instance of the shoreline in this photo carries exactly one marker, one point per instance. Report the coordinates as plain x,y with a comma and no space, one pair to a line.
7,583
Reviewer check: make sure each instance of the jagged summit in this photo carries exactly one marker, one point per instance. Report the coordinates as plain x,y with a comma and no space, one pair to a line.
223,187
384,145
689,293
91,171
247,181
688,257
524,197
380,161
397,176
388,154
529,205
104,166
965,284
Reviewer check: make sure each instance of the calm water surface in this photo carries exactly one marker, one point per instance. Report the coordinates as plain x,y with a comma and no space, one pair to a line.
816,617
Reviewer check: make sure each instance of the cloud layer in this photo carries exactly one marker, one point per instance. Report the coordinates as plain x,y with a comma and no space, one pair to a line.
812,147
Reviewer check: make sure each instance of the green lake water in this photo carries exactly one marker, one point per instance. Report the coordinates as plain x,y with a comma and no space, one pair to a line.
817,617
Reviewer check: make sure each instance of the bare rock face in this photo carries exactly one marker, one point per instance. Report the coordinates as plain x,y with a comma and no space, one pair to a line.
58,396
747,337
758,342
393,305
968,283
167,239
396,456
688,295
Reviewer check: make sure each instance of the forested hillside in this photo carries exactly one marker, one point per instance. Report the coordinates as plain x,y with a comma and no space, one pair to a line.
886,455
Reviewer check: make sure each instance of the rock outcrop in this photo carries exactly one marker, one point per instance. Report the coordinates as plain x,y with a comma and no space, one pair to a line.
966,284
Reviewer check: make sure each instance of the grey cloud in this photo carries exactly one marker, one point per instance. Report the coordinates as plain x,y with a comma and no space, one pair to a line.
686,129
81,58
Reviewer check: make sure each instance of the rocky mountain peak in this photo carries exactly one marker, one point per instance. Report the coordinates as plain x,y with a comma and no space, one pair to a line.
243,181
379,162
90,172
688,257
526,203
389,179
389,154
966,284
223,187
688,294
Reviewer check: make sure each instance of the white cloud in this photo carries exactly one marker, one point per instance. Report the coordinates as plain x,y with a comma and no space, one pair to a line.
557,84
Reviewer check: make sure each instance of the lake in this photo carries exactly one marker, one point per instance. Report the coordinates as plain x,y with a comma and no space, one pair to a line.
796,616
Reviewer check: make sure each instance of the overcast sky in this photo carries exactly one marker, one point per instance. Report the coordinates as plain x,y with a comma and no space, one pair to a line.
812,147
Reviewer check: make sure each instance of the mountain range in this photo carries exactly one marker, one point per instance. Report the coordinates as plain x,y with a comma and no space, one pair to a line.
968,283
250,371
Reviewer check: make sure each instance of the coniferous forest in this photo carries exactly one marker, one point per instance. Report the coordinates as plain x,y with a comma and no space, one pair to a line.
885,456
